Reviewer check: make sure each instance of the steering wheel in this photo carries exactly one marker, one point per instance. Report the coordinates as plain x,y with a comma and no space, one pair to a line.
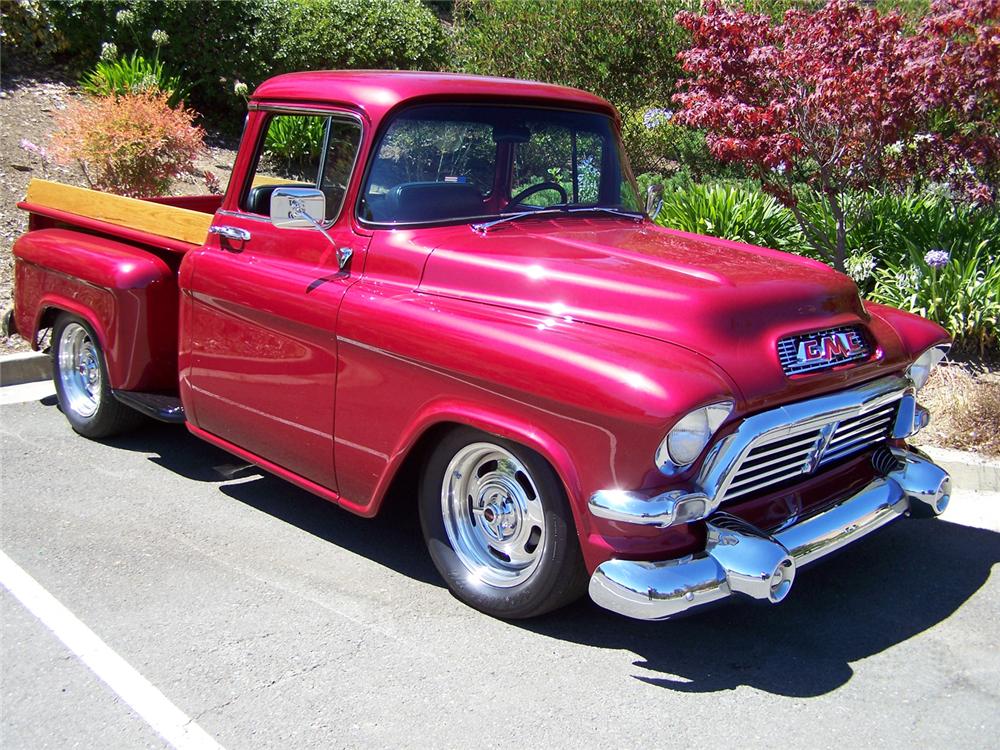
541,186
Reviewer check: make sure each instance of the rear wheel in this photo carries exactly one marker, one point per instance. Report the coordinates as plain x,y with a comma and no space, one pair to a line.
81,380
498,526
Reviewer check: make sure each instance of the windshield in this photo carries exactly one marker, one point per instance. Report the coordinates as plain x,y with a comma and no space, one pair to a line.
438,164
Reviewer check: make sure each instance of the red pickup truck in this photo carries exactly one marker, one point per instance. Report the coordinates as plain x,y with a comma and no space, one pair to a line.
457,296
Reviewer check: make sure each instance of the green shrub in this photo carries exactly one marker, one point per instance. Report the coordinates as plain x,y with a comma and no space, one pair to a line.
959,292
886,226
294,139
734,211
655,144
132,74
317,34
216,43
622,50
28,31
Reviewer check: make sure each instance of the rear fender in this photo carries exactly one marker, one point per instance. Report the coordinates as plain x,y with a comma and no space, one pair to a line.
127,294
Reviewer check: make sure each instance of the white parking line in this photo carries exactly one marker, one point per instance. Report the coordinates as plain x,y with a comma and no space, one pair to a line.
164,717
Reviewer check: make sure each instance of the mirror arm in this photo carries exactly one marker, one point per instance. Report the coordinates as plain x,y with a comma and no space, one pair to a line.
298,211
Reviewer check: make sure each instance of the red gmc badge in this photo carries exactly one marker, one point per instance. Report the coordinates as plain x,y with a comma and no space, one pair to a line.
826,348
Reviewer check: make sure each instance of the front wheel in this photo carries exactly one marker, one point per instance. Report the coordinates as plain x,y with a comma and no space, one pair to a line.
81,380
498,526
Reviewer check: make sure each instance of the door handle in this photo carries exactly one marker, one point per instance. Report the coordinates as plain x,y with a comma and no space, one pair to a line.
230,233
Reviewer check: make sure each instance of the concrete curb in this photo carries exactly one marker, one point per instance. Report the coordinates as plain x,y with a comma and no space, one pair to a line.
27,367
969,471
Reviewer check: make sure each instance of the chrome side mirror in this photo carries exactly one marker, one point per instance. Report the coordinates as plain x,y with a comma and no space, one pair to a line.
297,207
654,200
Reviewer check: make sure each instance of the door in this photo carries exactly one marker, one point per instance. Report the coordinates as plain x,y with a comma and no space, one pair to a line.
262,302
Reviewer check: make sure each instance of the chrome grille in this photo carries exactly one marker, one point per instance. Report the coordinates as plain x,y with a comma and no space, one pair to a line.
773,460
788,348
857,433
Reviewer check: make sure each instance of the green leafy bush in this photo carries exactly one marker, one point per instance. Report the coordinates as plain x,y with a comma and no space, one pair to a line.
884,227
654,143
622,50
733,211
132,74
217,43
959,292
318,34
28,30
294,139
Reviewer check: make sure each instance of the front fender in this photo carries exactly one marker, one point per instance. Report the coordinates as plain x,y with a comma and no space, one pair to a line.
916,334
593,401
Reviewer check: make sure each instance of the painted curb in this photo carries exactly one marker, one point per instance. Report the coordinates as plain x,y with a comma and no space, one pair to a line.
26,367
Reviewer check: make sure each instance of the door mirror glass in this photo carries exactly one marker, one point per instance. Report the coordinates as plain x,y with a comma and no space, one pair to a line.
293,208
654,200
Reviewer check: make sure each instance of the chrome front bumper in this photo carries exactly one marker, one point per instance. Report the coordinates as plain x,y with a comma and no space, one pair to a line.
740,559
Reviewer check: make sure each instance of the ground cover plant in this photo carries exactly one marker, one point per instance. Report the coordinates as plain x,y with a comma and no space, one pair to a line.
134,144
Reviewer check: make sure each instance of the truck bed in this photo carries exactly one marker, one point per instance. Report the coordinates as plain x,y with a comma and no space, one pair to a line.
175,223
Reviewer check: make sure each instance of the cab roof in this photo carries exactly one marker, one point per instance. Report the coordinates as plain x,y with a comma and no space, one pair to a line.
375,92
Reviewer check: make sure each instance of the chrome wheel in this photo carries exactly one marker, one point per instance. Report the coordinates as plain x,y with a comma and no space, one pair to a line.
493,515
79,370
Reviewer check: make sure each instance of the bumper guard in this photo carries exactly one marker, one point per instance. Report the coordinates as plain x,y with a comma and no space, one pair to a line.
741,559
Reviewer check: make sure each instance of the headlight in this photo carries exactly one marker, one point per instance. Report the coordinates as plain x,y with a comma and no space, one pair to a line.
921,369
688,438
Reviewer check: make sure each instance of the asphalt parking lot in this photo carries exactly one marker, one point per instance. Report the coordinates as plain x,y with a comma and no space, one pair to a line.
270,619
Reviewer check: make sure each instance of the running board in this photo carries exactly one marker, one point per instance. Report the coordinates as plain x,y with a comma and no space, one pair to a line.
155,405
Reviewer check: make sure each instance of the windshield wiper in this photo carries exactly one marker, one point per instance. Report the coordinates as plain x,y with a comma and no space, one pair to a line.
485,226
634,215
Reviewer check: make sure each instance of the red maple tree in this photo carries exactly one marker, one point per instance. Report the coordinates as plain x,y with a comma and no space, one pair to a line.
844,97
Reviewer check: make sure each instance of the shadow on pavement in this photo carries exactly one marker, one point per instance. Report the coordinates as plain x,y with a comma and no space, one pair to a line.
876,594
393,539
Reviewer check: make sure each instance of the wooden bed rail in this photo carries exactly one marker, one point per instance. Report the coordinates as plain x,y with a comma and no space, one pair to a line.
153,218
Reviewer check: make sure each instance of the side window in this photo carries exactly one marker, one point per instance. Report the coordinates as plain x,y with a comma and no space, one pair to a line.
309,151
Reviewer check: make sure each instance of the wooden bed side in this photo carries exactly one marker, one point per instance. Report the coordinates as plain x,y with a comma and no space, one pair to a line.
154,218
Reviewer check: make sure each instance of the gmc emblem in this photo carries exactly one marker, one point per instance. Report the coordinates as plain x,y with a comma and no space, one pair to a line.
826,348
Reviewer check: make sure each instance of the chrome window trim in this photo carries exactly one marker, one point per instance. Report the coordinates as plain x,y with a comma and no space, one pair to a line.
284,109
392,116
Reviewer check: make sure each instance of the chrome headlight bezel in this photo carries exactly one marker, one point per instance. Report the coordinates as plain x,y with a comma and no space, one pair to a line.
920,369
689,436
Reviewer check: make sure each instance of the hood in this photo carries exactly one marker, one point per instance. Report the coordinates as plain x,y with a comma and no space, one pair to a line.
724,300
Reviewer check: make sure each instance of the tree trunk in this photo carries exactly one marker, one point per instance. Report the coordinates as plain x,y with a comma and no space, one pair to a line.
840,246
